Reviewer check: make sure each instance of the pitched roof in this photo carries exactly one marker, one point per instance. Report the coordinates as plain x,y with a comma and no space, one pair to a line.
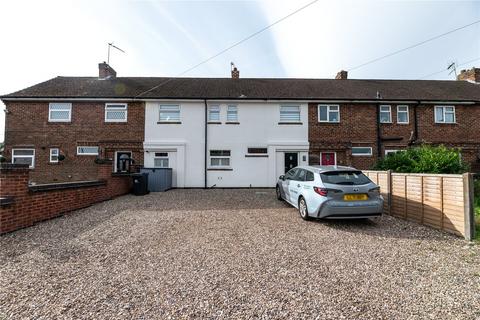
251,88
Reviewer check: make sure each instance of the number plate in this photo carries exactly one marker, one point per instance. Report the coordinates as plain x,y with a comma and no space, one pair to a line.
355,197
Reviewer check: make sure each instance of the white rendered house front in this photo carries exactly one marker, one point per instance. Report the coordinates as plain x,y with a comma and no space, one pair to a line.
225,144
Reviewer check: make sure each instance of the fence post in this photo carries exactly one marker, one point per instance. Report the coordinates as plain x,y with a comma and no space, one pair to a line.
468,206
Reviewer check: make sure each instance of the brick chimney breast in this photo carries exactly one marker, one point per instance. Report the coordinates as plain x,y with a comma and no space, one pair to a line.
235,73
342,75
472,75
105,71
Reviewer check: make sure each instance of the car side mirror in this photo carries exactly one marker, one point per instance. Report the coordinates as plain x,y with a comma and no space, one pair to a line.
282,177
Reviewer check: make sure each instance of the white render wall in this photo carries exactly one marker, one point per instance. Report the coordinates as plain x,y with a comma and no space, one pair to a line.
258,128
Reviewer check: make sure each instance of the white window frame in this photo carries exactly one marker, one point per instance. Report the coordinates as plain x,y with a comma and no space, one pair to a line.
291,112
214,109
444,112
334,154
407,112
89,153
54,155
388,151
67,107
161,158
116,107
328,112
389,113
169,105
363,154
24,156
210,157
232,108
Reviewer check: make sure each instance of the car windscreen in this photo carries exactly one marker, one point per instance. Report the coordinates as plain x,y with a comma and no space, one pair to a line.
345,178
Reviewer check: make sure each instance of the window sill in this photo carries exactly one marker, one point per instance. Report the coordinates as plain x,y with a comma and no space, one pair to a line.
329,122
362,155
169,122
232,122
386,122
256,156
59,122
290,123
214,122
220,169
447,123
115,122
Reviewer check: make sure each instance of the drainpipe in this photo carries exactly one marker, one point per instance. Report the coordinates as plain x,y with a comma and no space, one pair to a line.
379,135
206,143
415,125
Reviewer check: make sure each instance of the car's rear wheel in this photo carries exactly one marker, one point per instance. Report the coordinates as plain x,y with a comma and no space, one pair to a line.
302,209
279,194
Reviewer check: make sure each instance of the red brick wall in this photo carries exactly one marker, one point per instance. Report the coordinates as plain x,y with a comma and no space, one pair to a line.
27,125
31,207
358,127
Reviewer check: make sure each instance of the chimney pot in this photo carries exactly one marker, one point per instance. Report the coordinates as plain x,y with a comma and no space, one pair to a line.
235,73
105,71
342,75
472,75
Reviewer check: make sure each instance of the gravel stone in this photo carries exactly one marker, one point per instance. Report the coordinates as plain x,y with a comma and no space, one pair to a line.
232,254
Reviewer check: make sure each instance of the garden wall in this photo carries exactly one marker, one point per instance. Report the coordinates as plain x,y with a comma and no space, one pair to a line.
22,205
441,201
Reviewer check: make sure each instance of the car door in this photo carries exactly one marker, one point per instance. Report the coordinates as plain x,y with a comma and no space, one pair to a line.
286,183
296,185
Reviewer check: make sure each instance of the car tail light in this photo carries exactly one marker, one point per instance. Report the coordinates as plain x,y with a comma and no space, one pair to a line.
375,189
321,191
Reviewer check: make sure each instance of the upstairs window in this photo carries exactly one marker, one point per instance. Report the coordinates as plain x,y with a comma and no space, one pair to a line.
59,112
385,114
214,114
232,114
402,114
54,153
444,114
24,156
87,151
361,151
290,114
115,112
169,113
161,160
328,113
219,158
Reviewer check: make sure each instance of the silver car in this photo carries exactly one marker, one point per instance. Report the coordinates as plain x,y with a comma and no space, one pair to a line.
332,192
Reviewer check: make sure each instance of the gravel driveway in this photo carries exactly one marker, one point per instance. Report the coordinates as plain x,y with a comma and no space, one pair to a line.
232,254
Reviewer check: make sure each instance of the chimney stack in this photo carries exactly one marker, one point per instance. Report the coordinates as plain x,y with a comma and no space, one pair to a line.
472,75
235,73
105,71
342,75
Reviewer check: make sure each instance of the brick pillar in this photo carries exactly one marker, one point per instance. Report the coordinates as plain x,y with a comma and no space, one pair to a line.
13,190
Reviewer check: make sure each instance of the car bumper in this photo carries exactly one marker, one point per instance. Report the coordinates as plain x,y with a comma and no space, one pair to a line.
350,210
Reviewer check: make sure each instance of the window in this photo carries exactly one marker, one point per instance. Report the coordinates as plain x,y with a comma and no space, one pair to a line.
290,174
444,114
24,156
87,151
214,114
300,176
402,114
54,153
257,150
60,112
385,114
115,112
345,178
289,114
169,113
328,113
232,114
161,160
361,151
391,151
310,176
220,158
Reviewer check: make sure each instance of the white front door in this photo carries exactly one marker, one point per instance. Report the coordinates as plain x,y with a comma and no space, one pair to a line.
167,159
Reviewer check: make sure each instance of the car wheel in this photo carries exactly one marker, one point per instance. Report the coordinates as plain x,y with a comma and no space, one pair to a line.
302,209
279,194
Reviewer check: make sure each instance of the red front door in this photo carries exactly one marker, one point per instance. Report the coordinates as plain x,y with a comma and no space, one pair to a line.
328,159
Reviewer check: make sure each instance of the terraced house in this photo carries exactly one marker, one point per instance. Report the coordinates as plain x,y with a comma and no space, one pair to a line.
232,132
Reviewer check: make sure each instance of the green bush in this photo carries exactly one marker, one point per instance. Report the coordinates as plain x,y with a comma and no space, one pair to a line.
424,159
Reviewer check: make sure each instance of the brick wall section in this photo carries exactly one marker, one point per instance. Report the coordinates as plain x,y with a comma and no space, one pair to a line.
27,125
358,127
31,207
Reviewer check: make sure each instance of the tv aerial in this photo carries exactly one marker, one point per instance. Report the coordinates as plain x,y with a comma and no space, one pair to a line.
111,45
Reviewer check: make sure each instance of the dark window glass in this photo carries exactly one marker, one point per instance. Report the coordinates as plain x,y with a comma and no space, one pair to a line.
300,176
310,176
290,174
220,153
345,177
258,150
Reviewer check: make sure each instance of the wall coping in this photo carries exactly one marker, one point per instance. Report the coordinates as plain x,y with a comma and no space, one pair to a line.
12,166
65,185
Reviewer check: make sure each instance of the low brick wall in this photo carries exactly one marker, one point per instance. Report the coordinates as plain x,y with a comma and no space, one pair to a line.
23,205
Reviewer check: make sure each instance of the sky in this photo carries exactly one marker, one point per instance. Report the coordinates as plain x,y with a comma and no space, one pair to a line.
44,39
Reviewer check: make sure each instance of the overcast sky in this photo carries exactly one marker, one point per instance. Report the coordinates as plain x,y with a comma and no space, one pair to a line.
44,39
